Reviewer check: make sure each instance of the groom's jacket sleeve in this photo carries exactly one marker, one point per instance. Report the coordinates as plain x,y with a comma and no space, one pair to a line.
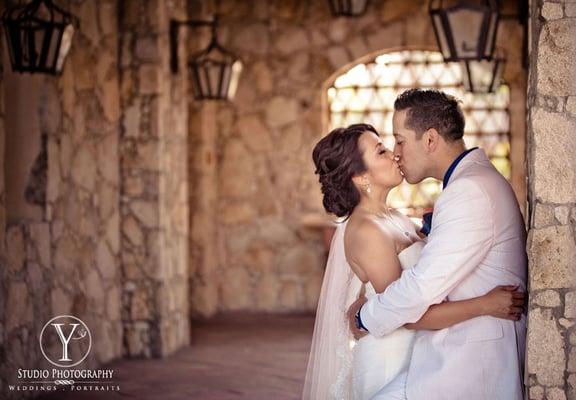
461,236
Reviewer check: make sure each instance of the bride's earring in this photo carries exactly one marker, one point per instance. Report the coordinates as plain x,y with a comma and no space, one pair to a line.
368,188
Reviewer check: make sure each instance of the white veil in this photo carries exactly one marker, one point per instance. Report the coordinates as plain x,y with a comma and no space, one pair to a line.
328,375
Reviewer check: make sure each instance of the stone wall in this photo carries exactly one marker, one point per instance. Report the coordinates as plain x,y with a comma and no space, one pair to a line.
551,360
98,227
154,204
65,260
263,258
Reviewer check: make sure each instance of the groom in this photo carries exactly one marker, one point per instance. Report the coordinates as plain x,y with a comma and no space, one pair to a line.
477,242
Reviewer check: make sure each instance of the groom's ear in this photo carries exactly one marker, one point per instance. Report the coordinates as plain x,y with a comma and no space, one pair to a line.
431,139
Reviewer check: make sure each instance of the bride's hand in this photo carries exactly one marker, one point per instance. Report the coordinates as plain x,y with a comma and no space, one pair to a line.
504,302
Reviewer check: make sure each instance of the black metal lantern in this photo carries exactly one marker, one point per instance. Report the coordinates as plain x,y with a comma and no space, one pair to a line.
465,30
38,36
483,76
348,8
215,71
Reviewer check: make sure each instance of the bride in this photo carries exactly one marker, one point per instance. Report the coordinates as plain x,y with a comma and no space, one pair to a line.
369,250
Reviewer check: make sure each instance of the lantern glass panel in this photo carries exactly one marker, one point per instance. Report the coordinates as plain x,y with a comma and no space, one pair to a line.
441,34
498,74
224,87
482,76
234,79
51,37
214,71
204,81
195,71
23,45
358,7
65,45
491,35
466,26
32,45
14,40
348,8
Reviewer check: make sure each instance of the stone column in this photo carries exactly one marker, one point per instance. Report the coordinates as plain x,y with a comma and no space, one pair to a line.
154,209
62,234
551,146
203,214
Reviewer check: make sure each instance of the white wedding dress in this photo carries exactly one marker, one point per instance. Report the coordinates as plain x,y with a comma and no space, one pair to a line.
376,361
339,367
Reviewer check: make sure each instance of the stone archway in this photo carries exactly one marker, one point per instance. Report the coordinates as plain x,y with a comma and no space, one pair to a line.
365,90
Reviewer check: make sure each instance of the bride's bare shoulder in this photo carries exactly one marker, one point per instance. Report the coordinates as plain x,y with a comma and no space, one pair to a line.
368,245
363,230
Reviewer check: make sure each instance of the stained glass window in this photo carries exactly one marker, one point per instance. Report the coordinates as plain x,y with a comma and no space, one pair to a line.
366,94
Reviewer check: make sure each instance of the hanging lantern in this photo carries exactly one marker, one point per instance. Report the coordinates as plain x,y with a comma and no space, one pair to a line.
483,76
465,30
38,36
215,71
348,8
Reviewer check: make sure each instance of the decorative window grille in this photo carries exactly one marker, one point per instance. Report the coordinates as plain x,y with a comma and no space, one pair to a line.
366,94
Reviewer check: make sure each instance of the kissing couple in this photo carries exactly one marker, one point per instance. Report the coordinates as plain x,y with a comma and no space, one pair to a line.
402,315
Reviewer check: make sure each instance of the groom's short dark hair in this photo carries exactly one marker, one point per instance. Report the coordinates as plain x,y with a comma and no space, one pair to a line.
432,109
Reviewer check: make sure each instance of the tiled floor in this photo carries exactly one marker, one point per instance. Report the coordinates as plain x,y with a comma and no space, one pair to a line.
256,358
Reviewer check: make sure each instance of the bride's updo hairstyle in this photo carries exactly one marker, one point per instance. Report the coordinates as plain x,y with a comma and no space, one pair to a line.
337,159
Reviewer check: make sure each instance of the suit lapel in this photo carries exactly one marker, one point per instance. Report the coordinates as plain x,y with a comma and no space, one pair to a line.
474,157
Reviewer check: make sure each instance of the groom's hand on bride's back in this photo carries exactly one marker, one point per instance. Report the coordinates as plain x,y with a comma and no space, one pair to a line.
353,319
505,302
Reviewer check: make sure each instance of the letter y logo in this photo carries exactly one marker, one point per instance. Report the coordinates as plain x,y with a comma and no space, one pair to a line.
68,344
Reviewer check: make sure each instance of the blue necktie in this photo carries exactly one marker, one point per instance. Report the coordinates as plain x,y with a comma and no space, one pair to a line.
426,223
